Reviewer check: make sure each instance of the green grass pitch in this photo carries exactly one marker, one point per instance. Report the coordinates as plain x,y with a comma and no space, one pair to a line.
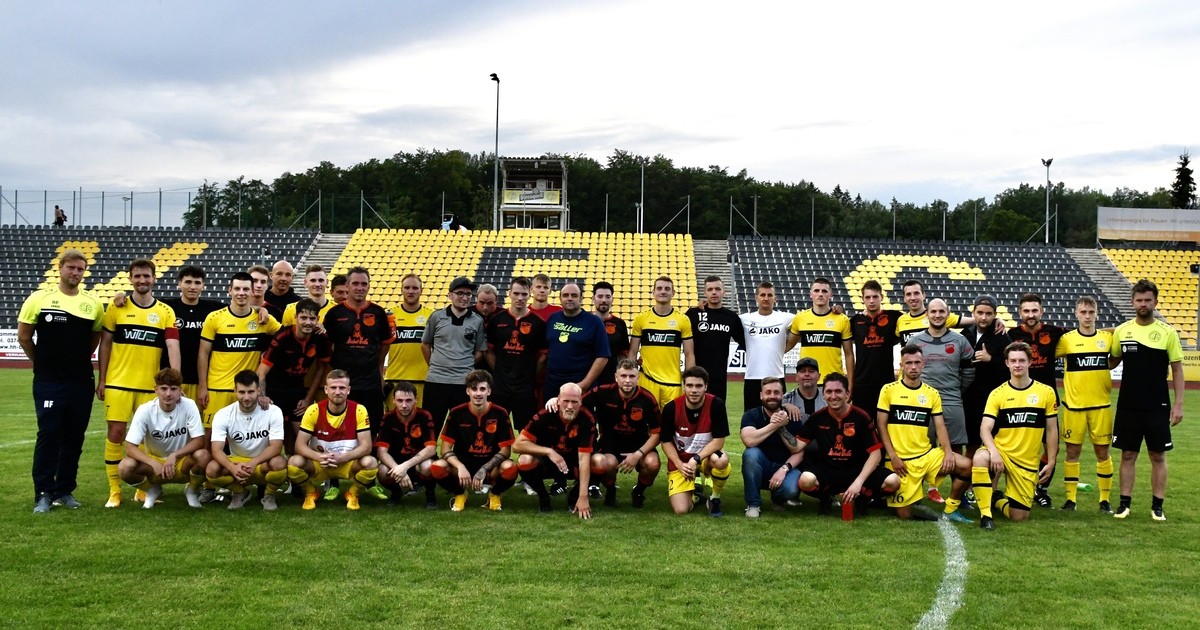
409,567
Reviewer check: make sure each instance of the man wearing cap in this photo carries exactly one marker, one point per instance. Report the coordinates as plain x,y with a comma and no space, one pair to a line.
452,343
807,398
988,339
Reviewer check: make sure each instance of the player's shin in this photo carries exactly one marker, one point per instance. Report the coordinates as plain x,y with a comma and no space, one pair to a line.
1104,478
981,482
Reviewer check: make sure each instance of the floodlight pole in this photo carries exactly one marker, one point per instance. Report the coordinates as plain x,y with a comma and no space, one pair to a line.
1046,162
496,156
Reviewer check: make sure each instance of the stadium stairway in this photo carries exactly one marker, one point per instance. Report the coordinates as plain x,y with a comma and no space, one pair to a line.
325,251
1107,278
712,259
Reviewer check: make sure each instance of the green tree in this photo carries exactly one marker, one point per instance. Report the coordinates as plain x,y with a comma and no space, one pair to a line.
1183,190
1007,225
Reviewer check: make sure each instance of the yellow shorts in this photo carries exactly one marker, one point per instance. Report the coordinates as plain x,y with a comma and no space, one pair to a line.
216,402
678,484
119,404
341,472
181,475
260,471
1019,483
662,393
1098,423
389,401
921,470
189,390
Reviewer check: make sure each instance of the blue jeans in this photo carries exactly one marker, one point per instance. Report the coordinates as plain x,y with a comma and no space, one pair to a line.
757,471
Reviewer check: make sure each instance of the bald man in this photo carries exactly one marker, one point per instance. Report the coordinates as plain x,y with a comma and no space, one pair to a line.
558,445
577,344
281,293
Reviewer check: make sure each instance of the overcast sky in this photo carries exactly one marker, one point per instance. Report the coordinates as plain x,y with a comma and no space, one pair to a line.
918,101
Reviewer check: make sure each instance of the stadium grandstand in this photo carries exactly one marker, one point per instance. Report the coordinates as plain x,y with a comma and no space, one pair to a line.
1171,270
29,256
955,271
630,261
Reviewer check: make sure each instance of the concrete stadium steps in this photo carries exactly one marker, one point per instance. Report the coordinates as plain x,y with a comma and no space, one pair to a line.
712,259
325,251
1106,276
29,257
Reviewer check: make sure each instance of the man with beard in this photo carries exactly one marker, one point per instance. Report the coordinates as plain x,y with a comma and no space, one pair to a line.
134,338
558,444
247,446
334,443
615,327
772,456
714,327
990,370
286,364
766,333
1042,339
406,361
406,446
361,332
577,344
661,333
694,428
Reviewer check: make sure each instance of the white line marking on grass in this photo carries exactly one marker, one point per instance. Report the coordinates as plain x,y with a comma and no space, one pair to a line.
28,442
954,580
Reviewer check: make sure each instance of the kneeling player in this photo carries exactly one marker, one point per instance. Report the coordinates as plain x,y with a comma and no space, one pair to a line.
406,445
558,444
334,443
906,410
694,428
171,432
848,454
477,440
1017,416
254,438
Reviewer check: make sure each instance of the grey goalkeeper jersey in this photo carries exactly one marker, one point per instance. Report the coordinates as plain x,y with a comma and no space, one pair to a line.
949,369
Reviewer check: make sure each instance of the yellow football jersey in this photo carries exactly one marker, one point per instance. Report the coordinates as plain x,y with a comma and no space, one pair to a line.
661,338
139,339
289,313
1021,416
821,338
1087,383
405,360
910,412
237,344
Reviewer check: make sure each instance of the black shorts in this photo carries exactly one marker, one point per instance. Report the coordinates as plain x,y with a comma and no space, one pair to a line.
836,480
522,408
1131,426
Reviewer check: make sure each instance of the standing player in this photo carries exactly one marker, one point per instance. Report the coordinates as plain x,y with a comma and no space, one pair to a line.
339,286
406,361
714,327
615,327
361,332
823,334
288,361
1042,339
628,424
907,409
1144,410
253,437
334,443
516,353
406,446
1087,391
66,320
847,456
694,428
477,441
260,281
766,333
540,298
660,333
190,312
577,345
229,343
453,342
874,334
772,453
165,443
949,368
281,293
914,321
132,346
315,284
1018,413
558,444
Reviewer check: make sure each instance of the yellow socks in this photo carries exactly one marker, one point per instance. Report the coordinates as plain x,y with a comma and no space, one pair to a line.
1104,477
1071,480
365,477
112,456
981,482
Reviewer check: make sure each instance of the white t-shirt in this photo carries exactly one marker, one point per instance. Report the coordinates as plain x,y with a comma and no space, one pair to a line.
164,432
766,336
247,435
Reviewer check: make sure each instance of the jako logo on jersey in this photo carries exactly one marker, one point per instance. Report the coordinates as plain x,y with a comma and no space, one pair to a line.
770,330
166,435
250,435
